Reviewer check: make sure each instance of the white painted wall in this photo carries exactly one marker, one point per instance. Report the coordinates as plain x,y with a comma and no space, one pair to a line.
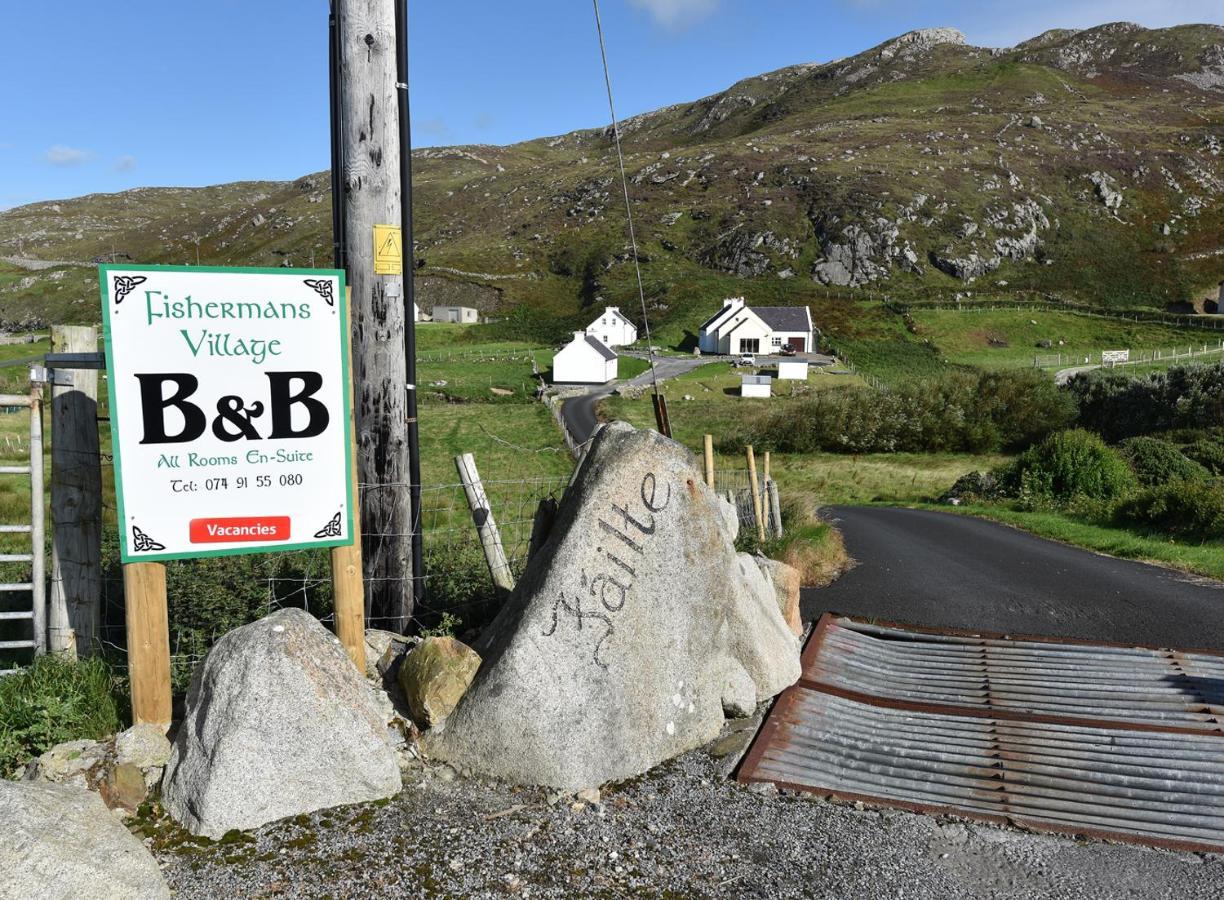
613,329
749,387
580,363
463,314
744,326
708,340
794,370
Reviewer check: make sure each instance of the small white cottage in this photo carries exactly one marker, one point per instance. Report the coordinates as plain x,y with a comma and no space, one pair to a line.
585,360
613,329
738,328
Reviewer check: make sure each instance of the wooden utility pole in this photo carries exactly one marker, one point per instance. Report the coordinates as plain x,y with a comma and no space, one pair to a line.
370,149
76,500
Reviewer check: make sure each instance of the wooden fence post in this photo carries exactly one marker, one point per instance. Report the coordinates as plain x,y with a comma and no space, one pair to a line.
148,642
755,487
486,525
76,500
348,590
709,460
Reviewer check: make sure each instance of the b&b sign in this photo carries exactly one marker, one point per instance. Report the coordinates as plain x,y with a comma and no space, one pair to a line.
229,406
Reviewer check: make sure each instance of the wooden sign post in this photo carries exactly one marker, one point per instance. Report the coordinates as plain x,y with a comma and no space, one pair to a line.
148,642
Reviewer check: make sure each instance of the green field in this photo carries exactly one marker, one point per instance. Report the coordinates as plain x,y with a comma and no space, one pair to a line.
1009,338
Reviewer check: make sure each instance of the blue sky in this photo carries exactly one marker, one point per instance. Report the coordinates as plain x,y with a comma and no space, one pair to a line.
148,92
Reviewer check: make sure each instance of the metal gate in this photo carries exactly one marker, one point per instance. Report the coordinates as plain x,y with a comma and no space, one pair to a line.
18,639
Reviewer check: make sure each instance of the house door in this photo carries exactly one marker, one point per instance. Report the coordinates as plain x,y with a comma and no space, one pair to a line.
798,344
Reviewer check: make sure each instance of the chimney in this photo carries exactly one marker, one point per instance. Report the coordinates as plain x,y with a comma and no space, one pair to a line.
580,335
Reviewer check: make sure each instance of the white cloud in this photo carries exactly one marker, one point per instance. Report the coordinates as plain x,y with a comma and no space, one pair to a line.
125,163
60,155
677,13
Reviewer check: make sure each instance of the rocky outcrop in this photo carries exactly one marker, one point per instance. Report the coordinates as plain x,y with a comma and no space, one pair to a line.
60,841
861,254
924,40
620,646
966,268
1107,190
278,723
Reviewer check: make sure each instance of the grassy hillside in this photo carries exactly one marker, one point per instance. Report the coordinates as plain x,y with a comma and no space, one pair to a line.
1081,163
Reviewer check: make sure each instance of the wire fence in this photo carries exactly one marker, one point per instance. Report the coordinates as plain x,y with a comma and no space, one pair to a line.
209,597
1130,357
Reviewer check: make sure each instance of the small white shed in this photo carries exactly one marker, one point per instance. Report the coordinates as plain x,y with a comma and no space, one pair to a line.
584,360
756,386
461,314
793,370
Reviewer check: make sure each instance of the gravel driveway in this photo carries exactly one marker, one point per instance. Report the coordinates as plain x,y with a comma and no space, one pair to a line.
684,830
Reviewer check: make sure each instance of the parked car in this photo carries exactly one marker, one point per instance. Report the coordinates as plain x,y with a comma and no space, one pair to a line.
745,359
786,351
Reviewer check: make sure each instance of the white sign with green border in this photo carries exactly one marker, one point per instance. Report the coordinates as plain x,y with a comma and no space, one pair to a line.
229,409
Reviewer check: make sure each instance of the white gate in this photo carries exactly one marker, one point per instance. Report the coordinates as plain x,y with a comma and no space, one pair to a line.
12,613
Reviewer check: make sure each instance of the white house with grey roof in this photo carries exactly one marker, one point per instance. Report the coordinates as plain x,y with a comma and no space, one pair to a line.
738,328
585,360
613,329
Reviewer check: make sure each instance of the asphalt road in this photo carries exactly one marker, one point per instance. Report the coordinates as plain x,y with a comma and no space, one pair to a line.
579,412
952,571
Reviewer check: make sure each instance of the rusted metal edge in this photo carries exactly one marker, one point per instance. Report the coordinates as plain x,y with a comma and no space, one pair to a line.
994,712
1038,825
1011,636
747,771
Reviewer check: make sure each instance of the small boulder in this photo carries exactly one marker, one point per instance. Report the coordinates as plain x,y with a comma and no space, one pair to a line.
435,676
278,723
613,653
143,746
60,841
80,763
785,581
384,650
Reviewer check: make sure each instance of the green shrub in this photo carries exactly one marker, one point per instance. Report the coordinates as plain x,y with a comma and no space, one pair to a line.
1067,468
1207,453
959,411
1119,406
1157,462
53,701
1187,509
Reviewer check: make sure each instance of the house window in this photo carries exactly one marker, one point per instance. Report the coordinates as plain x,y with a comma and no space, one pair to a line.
776,341
750,345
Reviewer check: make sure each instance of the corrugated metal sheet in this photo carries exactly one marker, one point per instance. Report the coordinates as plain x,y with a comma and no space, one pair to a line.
1165,688
1029,731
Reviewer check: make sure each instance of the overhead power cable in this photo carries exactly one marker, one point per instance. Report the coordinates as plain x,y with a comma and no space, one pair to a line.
620,158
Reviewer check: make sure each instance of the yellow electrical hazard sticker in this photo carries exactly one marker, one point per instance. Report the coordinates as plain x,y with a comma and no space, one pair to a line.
388,250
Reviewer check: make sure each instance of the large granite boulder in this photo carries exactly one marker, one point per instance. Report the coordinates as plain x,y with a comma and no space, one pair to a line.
60,841
279,722
626,633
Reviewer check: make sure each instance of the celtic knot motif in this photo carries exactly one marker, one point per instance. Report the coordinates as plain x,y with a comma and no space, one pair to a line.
322,287
142,543
125,284
331,529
